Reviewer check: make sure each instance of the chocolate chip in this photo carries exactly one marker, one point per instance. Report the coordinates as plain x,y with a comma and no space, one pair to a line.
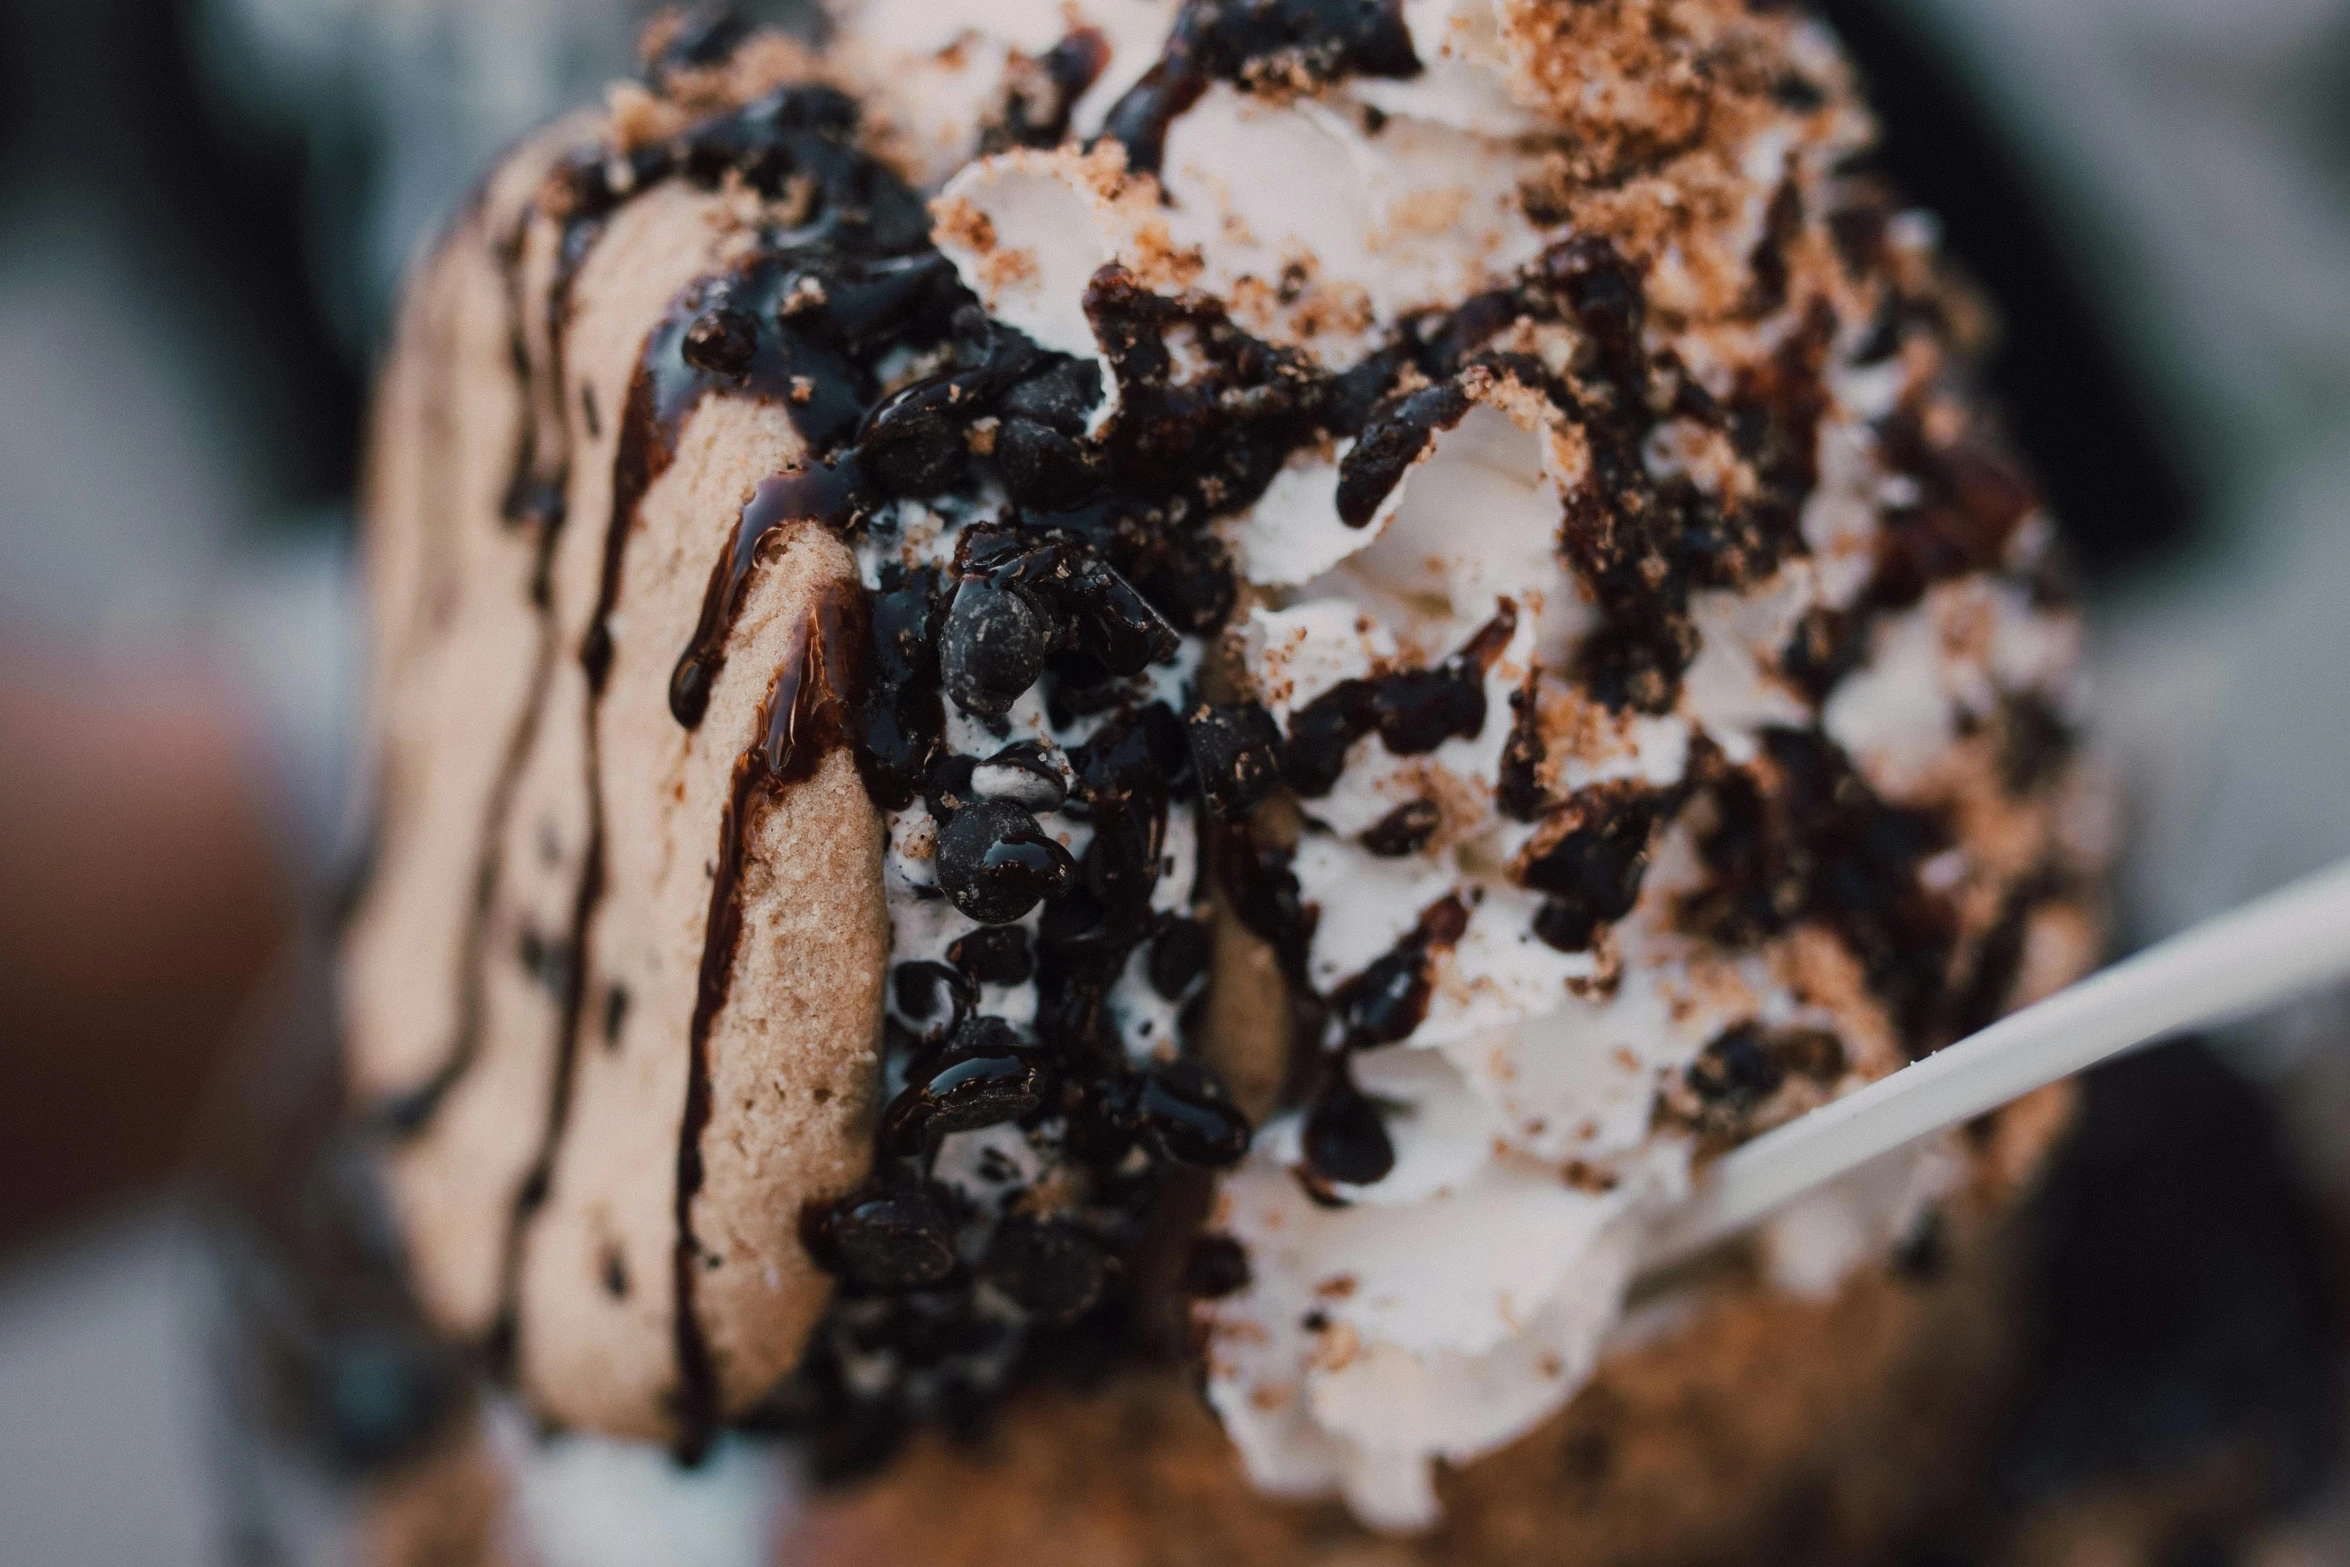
1179,955
948,788
1048,1267
1042,468
993,647
721,341
1058,397
995,863
1114,622
1186,1114
1403,831
912,444
1236,748
1345,1139
1420,709
892,1240
1216,1267
933,996
1735,1070
1593,871
1323,731
995,955
1566,924
1024,774
984,1076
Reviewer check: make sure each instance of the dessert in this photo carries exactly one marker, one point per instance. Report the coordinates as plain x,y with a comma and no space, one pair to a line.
1074,681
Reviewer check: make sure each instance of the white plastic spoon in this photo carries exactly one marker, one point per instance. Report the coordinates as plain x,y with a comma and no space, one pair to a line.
2268,952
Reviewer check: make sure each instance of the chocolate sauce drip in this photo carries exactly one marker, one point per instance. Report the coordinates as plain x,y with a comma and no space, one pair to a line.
1802,838
1384,1003
807,712
1283,44
1045,90
1404,831
1641,545
701,39
531,1195
1972,496
726,335
732,332
1988,984
1344,1137
1392,440
1413,711
824,493
534,494
1518,787
1740,1071
1203,435
1591,857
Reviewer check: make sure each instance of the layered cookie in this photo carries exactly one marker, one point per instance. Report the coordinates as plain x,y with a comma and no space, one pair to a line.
1125,679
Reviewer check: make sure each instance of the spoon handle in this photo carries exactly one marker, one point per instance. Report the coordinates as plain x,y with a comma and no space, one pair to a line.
2272,950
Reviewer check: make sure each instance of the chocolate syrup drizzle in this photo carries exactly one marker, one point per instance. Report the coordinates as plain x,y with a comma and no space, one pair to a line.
805,714
533,498
1297,44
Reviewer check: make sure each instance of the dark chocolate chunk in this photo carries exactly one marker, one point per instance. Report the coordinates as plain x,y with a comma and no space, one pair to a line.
1735,1070
893,1239
995,955
1236,748
1186,1114
993,647
1216,1266
933,996
1048,1267
1059,396
983,1077
1179,956
1023,773
1593,869
1344,1138
1403,831
1043,468
721,340
995,863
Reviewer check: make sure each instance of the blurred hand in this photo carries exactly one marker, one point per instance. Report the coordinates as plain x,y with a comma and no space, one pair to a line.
140,902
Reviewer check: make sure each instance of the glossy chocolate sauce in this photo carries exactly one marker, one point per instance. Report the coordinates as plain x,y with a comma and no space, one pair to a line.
806,713
1298,44
1345,1138
824,493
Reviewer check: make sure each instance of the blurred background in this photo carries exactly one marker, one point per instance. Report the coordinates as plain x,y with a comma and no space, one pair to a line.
205,206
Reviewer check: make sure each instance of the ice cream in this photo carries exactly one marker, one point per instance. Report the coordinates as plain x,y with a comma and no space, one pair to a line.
1499,477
